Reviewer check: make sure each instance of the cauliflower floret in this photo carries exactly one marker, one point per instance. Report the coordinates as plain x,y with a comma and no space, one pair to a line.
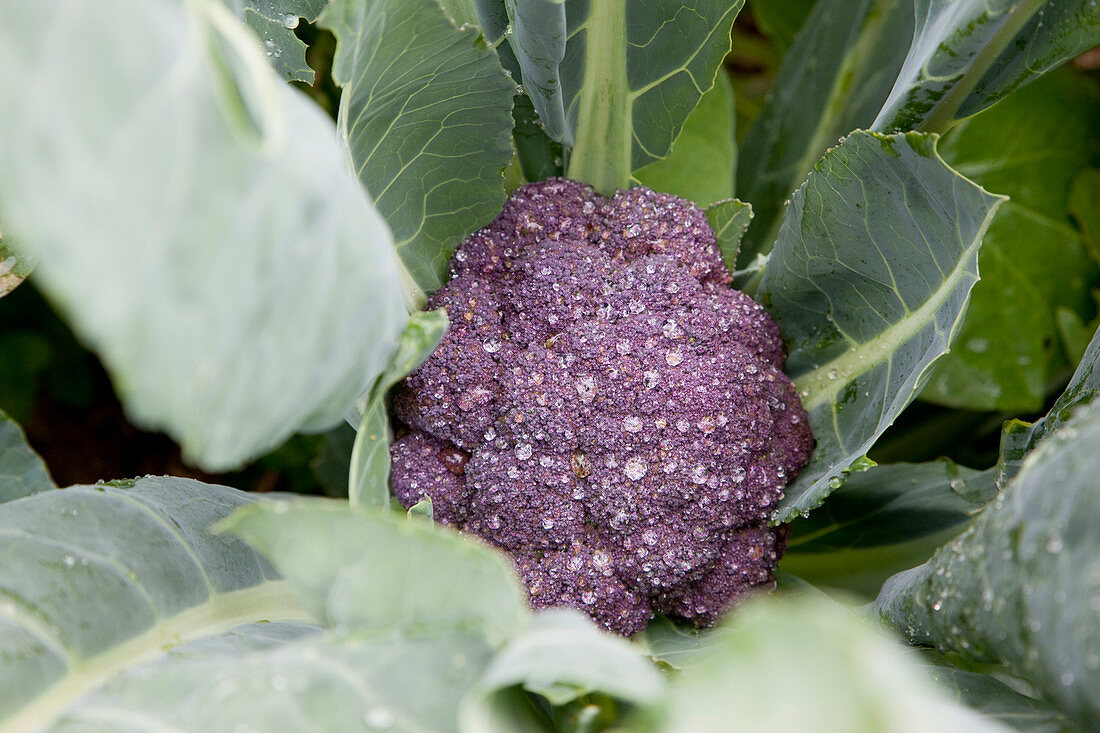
605,408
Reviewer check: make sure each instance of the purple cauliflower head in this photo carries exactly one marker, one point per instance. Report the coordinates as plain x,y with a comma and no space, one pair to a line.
605,408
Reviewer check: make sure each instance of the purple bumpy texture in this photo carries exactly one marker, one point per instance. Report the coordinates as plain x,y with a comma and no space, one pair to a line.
606,408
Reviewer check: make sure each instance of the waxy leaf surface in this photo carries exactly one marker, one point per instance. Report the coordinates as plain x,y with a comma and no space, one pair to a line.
228,321
1021,587
868,282
426,114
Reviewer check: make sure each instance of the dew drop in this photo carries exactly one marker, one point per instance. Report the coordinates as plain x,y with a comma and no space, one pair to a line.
582,468
492,346
524,451
635,468
673,357
632,424
586,388
290,21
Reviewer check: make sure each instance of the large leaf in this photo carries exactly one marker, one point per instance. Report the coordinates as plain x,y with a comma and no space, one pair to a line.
274,22
335,681
810,666
359,570
426,113
885,520
369,475
834,79
97,579
632,74
1022,586
893,503
700,167
967,54
22,472
414,614
1033,262
868,281
213,248
119,609
562,657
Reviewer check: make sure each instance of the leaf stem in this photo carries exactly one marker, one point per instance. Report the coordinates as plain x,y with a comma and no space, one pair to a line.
601,155
942,115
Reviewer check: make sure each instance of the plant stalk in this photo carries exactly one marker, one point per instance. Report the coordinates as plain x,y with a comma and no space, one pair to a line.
601,156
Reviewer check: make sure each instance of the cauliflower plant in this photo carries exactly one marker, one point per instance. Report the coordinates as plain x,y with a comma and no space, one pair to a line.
606,408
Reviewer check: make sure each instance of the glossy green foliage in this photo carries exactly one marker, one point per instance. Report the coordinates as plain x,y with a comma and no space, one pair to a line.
564,660
702,160
229,325
632,74
885,520
274,21
96,579
426,115
967,54
729,219
457,582
868,281
1021,586
833,80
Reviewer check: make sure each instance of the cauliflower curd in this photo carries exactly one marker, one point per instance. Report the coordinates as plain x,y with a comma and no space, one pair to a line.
606,408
